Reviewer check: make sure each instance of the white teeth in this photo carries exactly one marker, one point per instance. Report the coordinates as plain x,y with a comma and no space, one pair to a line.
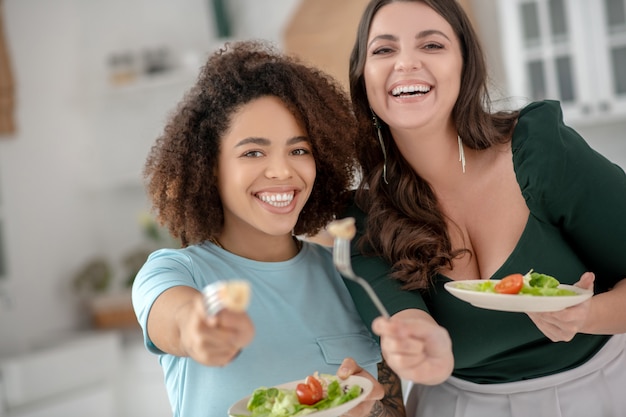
277,200
410,89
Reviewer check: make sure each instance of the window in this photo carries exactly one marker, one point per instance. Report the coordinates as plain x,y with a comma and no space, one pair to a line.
548,45
573,51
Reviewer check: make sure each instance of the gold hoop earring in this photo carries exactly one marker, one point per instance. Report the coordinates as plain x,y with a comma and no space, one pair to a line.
382,145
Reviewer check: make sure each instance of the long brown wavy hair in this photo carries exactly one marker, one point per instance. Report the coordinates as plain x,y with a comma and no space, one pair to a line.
405,225
180,170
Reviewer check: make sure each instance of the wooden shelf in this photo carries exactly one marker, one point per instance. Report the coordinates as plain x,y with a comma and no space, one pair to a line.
113,311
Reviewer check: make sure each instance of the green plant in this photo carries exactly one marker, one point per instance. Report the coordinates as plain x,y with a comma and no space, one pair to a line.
94,277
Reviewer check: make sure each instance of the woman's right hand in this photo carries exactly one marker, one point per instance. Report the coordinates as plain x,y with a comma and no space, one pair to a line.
415,346
213,340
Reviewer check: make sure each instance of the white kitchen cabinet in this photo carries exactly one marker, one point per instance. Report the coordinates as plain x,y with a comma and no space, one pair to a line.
96,373
3,267
142,388
98,401
64,379
569,50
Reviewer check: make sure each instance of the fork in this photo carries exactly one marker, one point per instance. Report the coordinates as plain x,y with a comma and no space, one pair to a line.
212,301
341,259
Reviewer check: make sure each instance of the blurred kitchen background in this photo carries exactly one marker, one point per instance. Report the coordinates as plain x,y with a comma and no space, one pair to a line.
85,88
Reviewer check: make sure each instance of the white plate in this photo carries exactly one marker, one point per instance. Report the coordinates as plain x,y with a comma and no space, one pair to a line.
517,302
239,408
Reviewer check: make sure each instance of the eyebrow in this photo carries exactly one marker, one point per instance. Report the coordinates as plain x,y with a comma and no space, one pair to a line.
420,35
267,142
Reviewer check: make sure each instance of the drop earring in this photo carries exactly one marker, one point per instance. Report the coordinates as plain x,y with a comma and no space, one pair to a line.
461,153
382,145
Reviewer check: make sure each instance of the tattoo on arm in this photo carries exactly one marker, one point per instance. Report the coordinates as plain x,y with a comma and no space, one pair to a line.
392,404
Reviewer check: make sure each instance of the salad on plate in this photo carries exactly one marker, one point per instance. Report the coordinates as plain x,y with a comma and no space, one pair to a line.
532,292
313,395
533,283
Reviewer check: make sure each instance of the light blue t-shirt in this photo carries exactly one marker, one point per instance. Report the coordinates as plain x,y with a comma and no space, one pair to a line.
304,318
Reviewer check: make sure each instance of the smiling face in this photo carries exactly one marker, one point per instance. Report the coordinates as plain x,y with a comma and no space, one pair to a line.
266,170
413,66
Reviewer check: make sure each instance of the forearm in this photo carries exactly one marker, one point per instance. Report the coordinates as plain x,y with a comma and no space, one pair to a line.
608,312
392,404
166,314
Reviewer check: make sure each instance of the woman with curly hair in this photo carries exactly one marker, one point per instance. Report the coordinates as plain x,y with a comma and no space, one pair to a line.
260,150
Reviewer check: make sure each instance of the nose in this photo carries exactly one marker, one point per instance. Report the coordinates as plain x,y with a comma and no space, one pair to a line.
278,167
408,60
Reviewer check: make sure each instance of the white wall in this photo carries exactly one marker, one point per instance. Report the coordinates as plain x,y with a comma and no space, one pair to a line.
70,177
46,225
261,19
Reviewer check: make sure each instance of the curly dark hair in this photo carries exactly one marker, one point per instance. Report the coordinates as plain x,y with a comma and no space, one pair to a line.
405,225
181,167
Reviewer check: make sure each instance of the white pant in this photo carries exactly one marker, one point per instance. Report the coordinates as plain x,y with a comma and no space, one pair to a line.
595,389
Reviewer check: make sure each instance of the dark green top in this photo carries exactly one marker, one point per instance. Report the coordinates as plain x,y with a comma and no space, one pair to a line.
577,223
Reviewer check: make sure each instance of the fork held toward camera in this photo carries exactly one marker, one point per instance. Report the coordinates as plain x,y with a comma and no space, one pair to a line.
343,231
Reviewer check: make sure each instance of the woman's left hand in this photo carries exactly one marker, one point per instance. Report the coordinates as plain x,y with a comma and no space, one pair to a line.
563,325
350,367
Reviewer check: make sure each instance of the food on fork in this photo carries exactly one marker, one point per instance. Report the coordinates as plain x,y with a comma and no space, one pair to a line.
343,228
235,295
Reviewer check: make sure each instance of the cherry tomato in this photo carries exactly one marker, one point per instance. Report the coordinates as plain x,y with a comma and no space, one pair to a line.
305,395
310,392
511,284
